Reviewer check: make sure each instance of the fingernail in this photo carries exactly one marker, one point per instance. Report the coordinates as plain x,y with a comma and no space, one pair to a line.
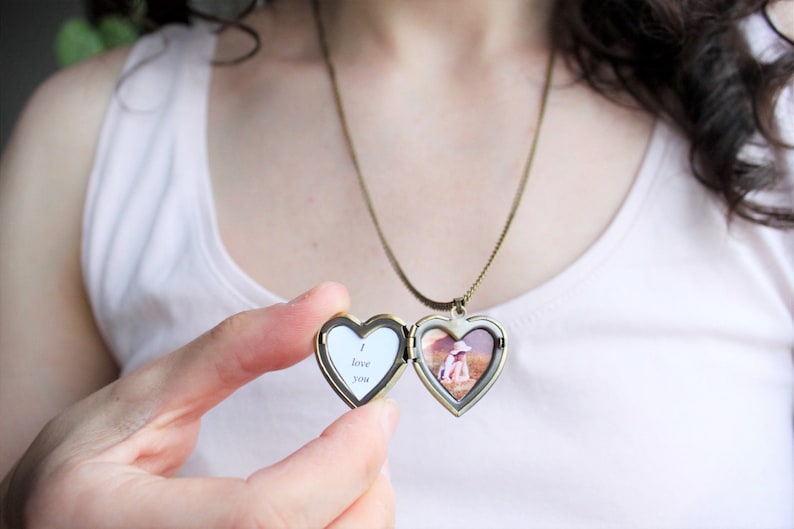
389,416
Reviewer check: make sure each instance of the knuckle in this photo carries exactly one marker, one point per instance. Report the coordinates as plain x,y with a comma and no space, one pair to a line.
240,354
232,326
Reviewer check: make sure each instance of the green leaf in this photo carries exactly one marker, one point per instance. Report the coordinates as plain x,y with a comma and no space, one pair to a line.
117,31
75,41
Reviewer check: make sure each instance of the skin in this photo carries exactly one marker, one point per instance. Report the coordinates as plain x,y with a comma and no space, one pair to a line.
441,102
43,176
106,462
781,14
441,128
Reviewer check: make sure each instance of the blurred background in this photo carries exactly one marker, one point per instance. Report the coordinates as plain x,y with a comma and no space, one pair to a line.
29,30
27,56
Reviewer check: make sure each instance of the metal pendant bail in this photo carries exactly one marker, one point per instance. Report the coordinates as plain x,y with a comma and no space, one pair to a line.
459,308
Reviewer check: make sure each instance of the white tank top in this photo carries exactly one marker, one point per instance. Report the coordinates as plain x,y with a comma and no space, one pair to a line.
649,385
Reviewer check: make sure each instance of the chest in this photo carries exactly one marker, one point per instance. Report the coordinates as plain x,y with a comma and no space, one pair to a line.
441,167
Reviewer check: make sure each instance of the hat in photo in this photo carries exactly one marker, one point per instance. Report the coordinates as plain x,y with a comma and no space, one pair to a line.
460,347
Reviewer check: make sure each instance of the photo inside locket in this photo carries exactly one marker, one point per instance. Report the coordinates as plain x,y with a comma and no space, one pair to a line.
458,364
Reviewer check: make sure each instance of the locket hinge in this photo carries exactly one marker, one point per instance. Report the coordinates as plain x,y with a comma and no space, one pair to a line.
410,342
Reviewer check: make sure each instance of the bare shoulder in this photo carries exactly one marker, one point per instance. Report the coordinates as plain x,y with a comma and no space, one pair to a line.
51,353
67,109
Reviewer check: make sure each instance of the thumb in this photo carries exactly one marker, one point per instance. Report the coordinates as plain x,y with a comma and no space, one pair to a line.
201,374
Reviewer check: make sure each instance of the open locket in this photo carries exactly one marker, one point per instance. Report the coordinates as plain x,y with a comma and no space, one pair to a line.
458,359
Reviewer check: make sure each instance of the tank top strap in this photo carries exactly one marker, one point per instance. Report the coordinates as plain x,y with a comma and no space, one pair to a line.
134,220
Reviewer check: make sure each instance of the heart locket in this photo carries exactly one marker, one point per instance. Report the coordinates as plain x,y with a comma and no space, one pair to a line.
361,361
458,359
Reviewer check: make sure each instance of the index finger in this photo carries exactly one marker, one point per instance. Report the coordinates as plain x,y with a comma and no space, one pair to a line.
193,379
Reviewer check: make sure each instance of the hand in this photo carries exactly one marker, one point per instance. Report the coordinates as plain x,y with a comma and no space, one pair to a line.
108,461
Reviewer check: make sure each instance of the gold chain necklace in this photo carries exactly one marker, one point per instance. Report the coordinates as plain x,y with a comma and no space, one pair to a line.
458,303
435,343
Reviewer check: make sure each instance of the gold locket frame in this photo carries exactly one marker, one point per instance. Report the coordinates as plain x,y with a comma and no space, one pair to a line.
409,348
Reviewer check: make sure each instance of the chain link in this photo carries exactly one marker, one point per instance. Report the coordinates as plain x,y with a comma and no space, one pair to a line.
457,305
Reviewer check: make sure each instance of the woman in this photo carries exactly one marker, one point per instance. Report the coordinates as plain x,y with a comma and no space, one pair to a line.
650,377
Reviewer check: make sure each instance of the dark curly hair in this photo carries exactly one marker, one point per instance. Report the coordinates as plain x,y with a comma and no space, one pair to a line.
687,60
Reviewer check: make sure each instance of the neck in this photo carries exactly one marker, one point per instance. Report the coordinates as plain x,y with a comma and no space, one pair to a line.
447,31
